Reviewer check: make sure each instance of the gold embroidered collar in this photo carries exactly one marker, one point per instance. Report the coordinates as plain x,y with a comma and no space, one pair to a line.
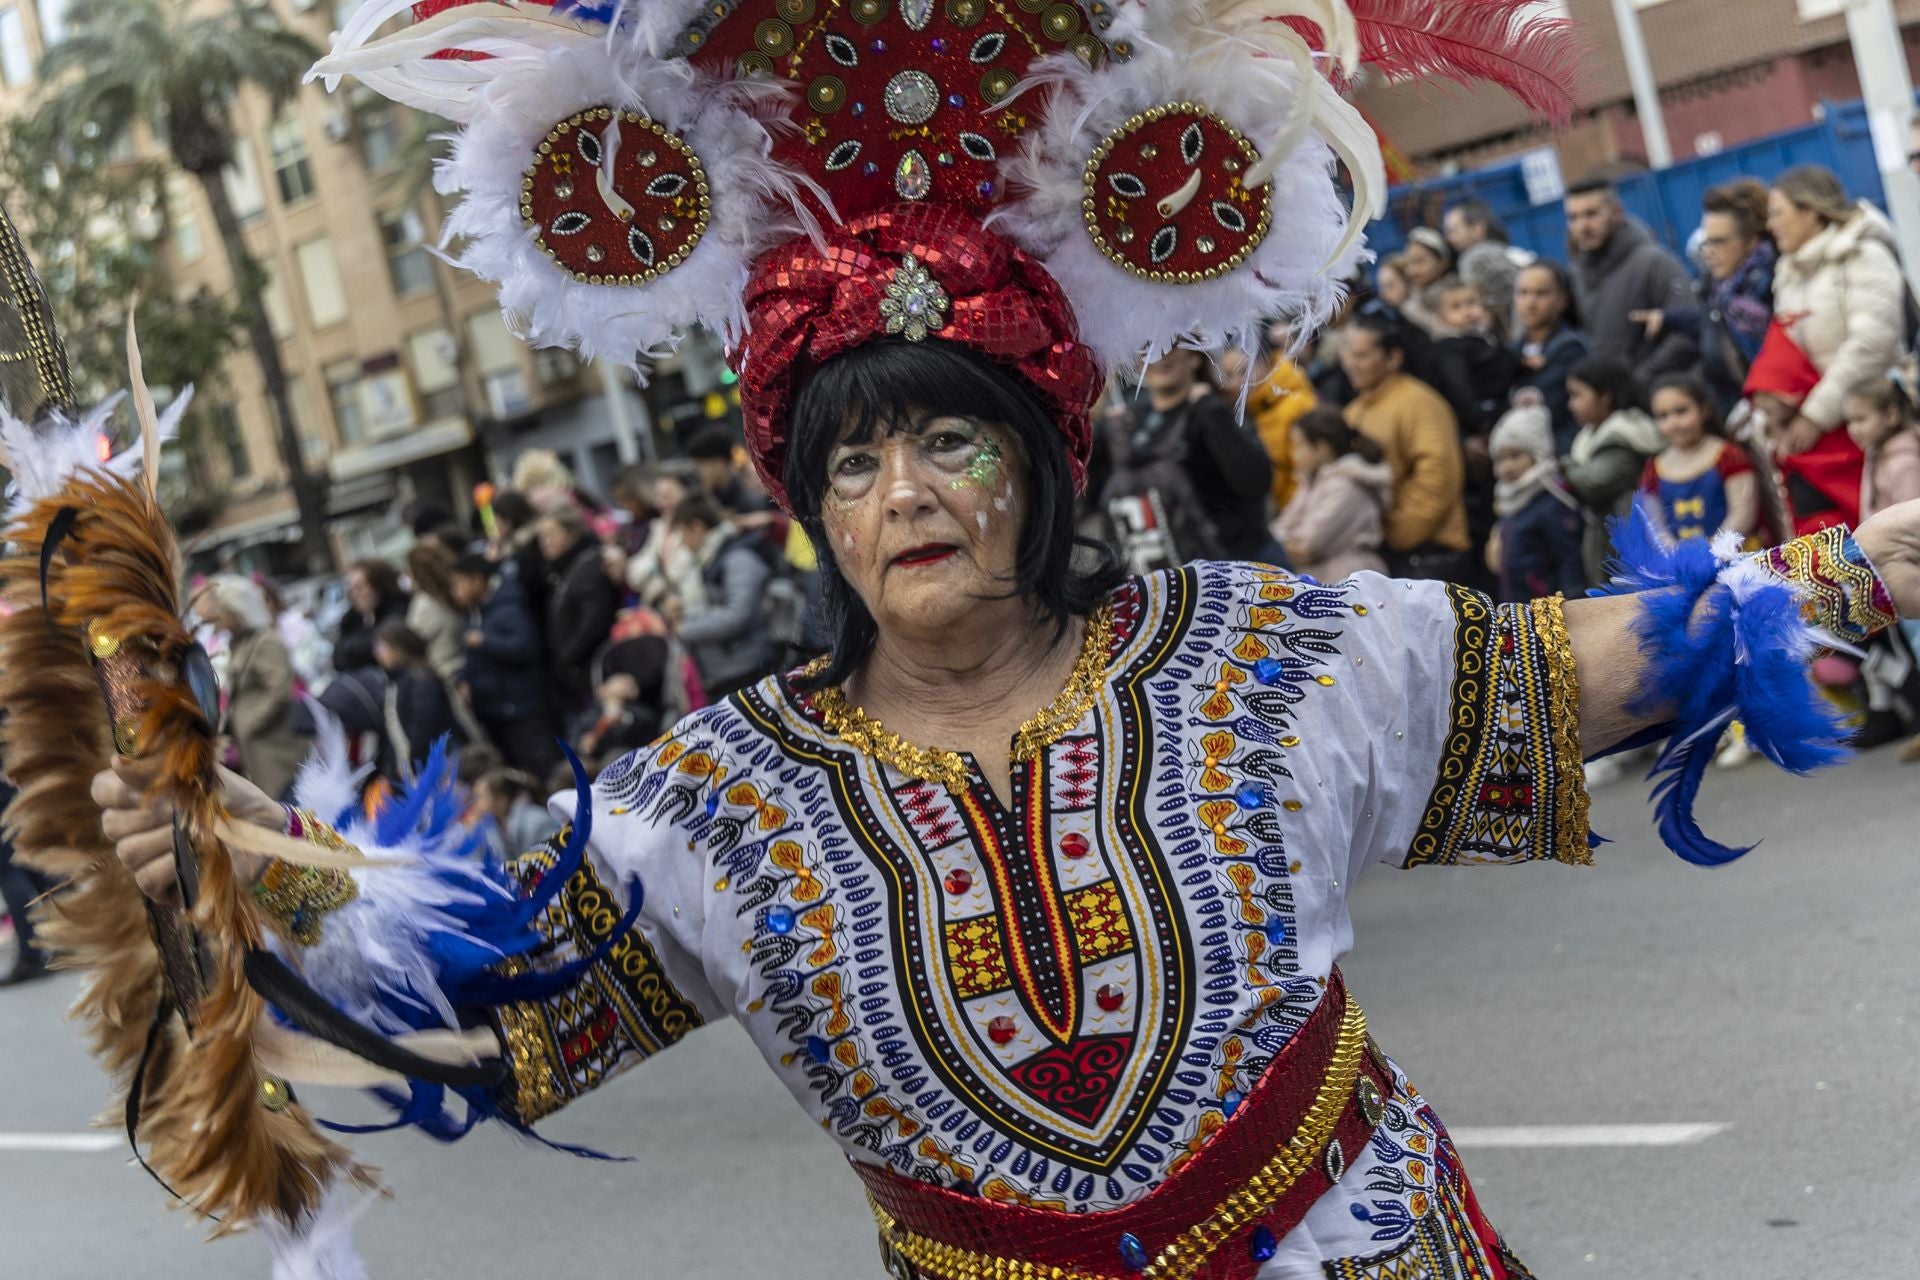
949,768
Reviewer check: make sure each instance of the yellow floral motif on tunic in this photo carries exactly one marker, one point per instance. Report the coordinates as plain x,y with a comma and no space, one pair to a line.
1219,746
976,957
1213,816
1099,924
1221,705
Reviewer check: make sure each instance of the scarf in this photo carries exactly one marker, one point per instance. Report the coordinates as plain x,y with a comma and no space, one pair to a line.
1745,299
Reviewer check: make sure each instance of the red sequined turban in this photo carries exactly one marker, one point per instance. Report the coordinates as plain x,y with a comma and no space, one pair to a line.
916,271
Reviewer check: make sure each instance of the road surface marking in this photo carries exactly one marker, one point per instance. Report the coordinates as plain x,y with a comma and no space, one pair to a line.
1587,1135
60,1141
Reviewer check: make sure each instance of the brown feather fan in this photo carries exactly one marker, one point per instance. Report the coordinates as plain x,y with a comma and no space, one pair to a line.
221,1132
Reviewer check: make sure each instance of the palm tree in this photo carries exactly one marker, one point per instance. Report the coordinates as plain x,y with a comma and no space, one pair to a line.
176,68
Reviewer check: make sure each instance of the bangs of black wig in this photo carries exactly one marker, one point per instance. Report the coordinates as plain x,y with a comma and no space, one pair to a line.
899,385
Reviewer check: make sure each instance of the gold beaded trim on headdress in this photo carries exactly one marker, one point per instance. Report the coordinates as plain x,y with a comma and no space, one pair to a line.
948,768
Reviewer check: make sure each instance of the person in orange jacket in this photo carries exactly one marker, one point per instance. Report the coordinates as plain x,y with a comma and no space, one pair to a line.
1279,395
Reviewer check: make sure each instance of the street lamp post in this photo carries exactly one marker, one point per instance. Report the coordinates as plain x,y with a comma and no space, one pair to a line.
1646,91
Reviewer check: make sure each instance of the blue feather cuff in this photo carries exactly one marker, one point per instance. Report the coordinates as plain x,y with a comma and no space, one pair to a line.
1724,639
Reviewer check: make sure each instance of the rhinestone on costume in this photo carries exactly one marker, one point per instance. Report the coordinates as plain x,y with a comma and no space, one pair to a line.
868,12
1367,1094
1276,932
595,253
1002,1030
275,1094
1269,670
1133,1253
996,85
1166,230
1261,1246
987,47
1231,1103
958,881
911,97
1075,845
817,1050
916,13
842,155
780,919
1109,997
1250,795
964,13
915,304
913,177
1335,1161
841,49
1061,21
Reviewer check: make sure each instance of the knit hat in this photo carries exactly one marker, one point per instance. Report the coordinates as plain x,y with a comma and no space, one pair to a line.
1527,429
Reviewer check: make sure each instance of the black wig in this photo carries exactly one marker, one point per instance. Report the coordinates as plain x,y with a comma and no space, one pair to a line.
894,381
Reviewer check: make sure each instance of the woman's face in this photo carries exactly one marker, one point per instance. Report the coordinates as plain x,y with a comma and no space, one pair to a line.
361,595
925,521
1424,266
1791,225
1724,246
1588,407
1683,423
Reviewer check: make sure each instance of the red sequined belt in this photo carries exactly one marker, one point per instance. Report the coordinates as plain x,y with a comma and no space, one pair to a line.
1217,1217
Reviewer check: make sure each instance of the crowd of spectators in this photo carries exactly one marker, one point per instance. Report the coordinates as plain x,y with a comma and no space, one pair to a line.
1479,414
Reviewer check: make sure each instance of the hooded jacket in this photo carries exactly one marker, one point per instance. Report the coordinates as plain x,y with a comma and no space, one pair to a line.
1603,469
1334,526
1841,297
1630,273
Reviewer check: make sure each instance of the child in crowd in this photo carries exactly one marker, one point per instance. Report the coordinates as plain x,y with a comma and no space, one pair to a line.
520,820
1608,455
1334,527
1701,483
1390,281
419,708
1880,418
1465,336
1536,548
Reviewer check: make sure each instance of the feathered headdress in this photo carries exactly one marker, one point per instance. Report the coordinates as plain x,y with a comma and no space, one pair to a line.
1067,187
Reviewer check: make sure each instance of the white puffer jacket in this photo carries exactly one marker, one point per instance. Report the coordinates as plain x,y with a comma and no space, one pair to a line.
1841,297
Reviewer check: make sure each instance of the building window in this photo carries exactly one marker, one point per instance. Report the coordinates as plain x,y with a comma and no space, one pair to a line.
16,59
343,391
287,144
555,365
496,354
53,22
320,273
242,179
231,441
183,216
377,123
407,260
436,373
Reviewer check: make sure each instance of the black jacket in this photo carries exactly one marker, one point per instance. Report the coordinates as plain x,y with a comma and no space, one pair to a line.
1213,475
354,649
420,712
504,672
1485,373
1633,273
1559,354
581,604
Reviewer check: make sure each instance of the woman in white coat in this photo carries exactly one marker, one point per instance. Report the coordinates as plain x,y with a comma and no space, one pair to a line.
1837,291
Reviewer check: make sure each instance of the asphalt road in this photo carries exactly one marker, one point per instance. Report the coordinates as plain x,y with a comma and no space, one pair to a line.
1775,997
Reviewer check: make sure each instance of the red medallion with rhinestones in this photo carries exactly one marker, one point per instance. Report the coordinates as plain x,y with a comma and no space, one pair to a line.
1165,199
615,201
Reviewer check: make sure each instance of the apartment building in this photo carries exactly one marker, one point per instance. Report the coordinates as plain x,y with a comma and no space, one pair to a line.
1728,70
404,380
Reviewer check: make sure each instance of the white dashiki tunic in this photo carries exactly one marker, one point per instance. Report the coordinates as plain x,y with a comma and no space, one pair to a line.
1056,1001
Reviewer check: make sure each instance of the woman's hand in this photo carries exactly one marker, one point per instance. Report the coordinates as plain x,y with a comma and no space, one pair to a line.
1652,321
142,833
1891,540
1800,435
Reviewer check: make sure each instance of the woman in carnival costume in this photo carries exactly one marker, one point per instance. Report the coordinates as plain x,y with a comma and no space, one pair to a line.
1031,891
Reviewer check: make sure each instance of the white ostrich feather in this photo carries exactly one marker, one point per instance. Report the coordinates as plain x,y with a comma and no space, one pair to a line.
321,1247
44,456
1295,273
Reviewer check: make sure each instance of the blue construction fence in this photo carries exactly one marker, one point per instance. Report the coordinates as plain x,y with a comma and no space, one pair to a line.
1667,201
